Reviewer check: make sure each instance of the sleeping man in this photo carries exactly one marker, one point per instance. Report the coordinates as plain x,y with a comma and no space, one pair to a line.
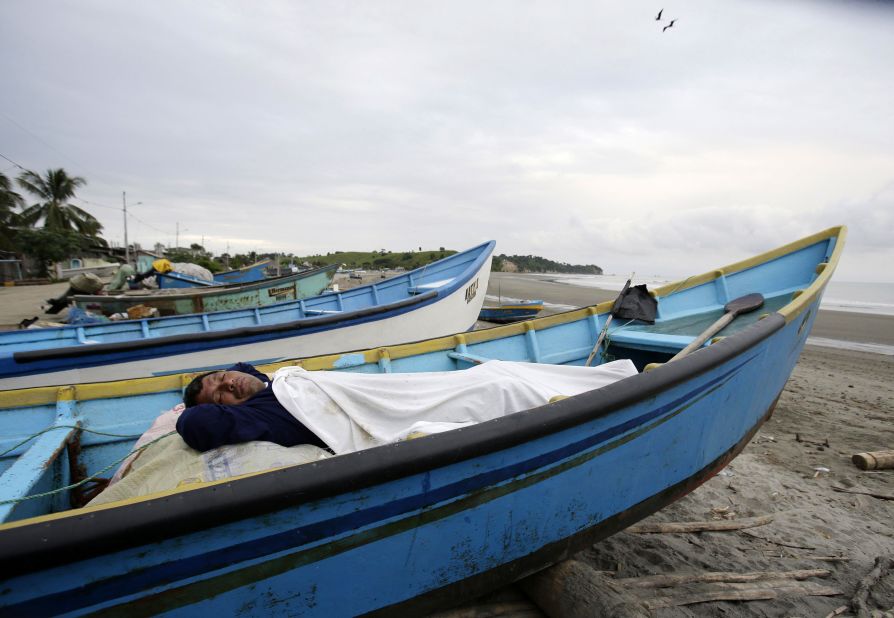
236,406
346,412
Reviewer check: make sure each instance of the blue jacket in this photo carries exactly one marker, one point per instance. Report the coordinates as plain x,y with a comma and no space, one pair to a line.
209,425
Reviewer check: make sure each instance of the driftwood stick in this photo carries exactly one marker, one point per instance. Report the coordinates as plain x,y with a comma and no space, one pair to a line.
745,593
862,493
664,581
858,603
574,589
701,526
780,543
837,611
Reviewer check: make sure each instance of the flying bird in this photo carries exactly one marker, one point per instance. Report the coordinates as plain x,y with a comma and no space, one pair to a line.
670,25
659,15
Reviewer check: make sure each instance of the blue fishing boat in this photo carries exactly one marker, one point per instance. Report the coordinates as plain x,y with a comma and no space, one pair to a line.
505,313
213,298
406,527
439,298
246,274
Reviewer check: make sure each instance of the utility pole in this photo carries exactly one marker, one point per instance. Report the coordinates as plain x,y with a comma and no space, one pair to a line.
177,237
126,246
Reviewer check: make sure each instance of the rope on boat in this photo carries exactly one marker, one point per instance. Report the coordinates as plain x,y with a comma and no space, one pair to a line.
92,477
54,427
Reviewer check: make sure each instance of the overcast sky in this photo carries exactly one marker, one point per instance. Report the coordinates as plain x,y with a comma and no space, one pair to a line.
574,130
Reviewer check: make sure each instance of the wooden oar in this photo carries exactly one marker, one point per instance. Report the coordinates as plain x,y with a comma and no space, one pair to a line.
615,307
743,304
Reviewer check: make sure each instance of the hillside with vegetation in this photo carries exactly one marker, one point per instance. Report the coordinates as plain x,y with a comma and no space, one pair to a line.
384,260
537,264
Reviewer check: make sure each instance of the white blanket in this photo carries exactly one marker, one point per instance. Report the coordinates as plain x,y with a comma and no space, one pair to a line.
354,411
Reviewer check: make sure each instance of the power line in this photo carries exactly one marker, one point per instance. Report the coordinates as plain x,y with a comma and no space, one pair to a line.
39,139
13,162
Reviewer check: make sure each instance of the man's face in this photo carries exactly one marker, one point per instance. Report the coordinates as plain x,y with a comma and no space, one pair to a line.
228,387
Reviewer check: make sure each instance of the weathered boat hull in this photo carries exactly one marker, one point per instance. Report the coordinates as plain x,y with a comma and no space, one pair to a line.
511,312
214,298
410,525
441,298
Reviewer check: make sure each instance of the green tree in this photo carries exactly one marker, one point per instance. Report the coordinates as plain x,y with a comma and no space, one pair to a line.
9,218
49,245
54,190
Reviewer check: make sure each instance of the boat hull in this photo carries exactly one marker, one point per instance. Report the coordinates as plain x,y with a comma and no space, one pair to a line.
434,317
514,312
406,527
458,528
214,298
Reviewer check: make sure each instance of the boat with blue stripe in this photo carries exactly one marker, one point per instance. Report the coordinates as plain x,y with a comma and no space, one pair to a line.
439,298
420,524
507,312
213,298
246,274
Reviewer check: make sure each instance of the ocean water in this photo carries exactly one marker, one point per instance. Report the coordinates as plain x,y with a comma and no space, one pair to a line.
877,298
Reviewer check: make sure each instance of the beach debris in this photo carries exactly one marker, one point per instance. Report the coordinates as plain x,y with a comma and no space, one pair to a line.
859,602
874,460
700,526
722,512
666,581
774,542
137,312
819,470
837,611
862,493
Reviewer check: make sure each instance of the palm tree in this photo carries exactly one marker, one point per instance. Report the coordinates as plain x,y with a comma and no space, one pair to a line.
55,189
9,218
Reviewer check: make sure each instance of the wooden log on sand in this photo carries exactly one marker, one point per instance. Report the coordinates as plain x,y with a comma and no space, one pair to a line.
862,493
664,581
700,526
757,591
875,460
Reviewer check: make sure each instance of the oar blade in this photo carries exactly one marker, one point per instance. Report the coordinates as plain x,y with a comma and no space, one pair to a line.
744,304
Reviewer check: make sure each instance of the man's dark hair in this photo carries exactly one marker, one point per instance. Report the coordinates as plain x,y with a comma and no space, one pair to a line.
191,392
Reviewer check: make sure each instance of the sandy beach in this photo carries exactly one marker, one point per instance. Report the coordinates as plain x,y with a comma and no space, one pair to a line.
797,470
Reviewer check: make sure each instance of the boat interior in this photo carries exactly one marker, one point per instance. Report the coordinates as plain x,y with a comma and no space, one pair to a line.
59,444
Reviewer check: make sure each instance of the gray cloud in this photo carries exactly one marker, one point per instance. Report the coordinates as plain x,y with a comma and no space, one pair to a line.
577,130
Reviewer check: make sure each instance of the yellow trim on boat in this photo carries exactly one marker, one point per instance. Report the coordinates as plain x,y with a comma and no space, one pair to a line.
824,274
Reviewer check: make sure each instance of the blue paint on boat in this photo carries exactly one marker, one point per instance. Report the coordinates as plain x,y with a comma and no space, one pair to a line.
349,360
511,312
403,527
246,274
